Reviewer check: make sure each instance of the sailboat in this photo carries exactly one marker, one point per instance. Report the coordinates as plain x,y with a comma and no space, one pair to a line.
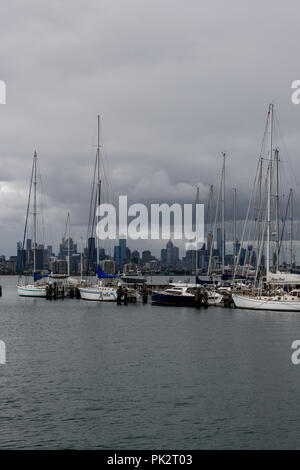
33,289
274,298
100,290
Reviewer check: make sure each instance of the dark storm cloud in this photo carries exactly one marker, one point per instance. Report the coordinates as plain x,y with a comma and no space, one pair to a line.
175,83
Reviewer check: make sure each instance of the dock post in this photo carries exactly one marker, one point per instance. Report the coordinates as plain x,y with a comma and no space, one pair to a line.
145,295
77,293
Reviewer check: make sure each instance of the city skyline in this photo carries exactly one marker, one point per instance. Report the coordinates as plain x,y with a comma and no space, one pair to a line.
131,260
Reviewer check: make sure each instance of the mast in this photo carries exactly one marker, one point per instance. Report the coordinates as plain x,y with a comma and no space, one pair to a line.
234,227
209,218
34,212
277,208
259,212
26,220
196,254
69,233
214,227
292,224
260,190
223,213
98,185
270,115
81,260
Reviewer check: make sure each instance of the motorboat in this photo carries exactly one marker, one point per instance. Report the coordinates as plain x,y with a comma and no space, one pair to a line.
175,294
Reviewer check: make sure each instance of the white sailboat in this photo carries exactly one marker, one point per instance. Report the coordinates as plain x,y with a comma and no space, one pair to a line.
31,290
276,299
99,291
277,302
34,289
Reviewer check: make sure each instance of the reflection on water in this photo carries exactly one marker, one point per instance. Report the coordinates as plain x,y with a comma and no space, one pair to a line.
95,375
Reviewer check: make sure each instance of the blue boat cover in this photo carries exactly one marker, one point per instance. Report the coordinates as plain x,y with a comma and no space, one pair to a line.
103,275
37,276
208,281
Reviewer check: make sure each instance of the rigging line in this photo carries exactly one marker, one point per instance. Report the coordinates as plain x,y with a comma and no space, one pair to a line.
246,221
91,203
252,228
106,166
264,140
257,227
259,168
42,203
261,196
293,173
284,222
89,246
283,215
28,205
94,216
208,217
253,221
103,165
283,173
104,172
215,225
262,245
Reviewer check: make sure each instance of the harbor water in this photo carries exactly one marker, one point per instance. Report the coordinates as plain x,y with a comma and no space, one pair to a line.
92,375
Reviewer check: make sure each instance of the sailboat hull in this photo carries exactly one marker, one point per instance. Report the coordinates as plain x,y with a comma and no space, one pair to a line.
31,291
266,303
99,294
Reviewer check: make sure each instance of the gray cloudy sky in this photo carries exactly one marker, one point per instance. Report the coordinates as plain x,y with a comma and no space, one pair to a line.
175,82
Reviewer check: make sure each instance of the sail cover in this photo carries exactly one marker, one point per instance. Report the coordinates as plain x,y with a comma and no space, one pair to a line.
205,281
37,276
102,275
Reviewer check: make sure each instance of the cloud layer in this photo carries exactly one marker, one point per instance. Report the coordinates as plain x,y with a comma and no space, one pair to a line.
175,83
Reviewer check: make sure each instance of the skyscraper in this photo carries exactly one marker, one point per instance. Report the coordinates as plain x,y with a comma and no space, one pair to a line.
117,257
169,248
120,253
91,249
135,257
163,256
172,254
122,244
20,258
146,256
